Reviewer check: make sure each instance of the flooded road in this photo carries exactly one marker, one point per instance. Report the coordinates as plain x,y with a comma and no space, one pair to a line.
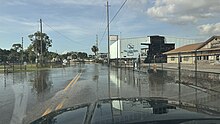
25,97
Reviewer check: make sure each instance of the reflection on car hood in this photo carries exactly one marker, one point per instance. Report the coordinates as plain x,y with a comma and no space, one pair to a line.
130,110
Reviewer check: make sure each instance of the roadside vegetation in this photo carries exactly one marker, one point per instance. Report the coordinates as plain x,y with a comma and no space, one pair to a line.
36,55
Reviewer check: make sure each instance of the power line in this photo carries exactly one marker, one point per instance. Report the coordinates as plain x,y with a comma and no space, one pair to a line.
102,22
118,11
63,35
113,19
103,35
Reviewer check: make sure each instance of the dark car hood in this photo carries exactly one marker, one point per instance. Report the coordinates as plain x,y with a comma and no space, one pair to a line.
130,110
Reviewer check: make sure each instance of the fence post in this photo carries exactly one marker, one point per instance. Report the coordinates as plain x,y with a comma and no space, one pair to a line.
133,64
196,68
125,63
20,65
4,67
179,68
161,61
13,66
139,62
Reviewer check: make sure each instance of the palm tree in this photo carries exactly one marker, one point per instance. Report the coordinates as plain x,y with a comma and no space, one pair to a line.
95,49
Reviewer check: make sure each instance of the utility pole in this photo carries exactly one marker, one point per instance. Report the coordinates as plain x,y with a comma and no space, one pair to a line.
117,51
21,58
41,43
22,47
97,42
108,34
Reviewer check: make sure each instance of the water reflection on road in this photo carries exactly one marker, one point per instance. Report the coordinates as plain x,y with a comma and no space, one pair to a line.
21,92
42,82
202,90
26,96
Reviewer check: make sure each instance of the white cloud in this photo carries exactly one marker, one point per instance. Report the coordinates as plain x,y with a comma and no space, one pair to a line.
67,2
187,18
68,29
139,5
16,20
209,29
134,3
81,2
13,2
3,31
184,11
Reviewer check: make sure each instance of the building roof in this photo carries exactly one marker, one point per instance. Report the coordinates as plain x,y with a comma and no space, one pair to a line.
209,40
191,47
186,48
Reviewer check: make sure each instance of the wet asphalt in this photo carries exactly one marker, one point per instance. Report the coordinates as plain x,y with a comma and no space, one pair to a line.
25,97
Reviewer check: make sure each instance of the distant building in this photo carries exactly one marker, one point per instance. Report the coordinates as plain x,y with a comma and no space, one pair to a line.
126,48
102,55
156,49
205,52
149,48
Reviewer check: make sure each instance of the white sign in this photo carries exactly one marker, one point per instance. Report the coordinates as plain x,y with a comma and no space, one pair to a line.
113,37
130,50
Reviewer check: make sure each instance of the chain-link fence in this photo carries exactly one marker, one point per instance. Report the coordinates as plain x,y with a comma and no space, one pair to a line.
201,73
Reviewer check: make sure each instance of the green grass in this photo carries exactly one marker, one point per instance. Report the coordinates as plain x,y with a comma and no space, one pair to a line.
29,67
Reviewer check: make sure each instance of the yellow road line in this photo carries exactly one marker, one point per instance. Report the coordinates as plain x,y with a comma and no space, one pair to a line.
76,80
60,105
47,112
71,82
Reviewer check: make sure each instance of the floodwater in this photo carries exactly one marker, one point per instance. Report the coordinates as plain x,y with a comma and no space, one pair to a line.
25,97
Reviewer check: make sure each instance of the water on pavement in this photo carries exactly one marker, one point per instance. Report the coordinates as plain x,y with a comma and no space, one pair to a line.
25,97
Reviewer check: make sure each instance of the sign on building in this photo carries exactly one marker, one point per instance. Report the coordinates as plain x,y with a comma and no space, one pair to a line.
215,44
113,37
130,48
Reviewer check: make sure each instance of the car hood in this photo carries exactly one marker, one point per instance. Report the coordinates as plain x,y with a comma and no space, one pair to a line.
131,110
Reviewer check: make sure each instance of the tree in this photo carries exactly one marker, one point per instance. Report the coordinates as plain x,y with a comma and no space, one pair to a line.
52,55
74,56
16,47
36,43
13,56
15,53
82,55
4,55
95,49
31,55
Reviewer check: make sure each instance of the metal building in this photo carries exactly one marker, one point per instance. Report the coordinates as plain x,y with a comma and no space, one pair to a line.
146,47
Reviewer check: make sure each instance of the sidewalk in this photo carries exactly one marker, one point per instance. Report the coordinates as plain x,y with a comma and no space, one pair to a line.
200,67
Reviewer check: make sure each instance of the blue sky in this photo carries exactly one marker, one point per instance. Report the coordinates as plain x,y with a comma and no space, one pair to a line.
73,24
